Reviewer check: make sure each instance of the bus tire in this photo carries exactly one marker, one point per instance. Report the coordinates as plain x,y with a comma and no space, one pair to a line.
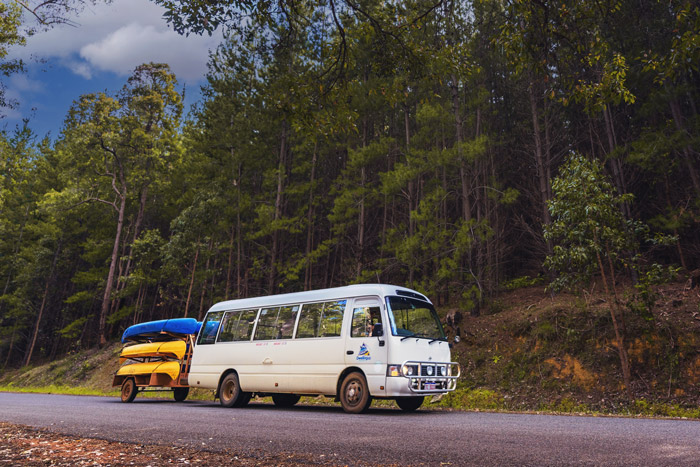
129,390
354,393
230,394
409,404
180,394
285,400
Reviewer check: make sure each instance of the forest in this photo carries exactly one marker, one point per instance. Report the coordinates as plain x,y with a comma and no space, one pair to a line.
421,143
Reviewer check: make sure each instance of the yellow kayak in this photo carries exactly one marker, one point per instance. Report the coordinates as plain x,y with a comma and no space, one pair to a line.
171,369
170,349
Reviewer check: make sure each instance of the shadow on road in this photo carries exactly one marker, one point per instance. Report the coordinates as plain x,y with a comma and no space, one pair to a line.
310,408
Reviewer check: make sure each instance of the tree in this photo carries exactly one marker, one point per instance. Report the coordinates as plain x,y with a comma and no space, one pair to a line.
119,146
590,235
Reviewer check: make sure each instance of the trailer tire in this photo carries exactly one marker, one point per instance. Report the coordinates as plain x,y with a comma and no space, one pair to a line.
129,390
180,394
354,393
409,404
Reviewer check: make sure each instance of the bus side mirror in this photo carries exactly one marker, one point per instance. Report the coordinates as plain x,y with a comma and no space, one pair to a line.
377,330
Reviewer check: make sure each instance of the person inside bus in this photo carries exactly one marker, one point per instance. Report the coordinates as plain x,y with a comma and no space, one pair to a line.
366,322
374,323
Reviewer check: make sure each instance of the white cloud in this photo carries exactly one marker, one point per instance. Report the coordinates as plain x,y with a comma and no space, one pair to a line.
79,68
133,44
20,83
119,36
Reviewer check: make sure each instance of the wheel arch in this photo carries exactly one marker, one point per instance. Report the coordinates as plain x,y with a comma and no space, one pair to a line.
342,376
221,378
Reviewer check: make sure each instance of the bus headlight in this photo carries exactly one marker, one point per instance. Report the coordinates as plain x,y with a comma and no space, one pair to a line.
409,370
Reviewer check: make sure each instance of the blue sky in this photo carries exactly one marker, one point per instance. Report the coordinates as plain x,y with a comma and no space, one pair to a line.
99,54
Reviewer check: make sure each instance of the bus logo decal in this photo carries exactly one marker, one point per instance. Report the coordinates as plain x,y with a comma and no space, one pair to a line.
364,353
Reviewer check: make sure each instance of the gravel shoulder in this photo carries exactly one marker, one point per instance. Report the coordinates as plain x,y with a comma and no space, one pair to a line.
27,446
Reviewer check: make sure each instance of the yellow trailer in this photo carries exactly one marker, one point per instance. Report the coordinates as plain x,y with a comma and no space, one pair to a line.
156,358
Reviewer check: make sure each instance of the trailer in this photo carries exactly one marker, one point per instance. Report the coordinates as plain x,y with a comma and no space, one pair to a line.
157,357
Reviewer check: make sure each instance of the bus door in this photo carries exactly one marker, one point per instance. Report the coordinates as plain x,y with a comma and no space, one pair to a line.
365,346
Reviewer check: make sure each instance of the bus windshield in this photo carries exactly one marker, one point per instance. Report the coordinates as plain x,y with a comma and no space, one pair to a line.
413,318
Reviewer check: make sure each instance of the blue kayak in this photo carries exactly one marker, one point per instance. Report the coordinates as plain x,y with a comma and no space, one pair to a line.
156,329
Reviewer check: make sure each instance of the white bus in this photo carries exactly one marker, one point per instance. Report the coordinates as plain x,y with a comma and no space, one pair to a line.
353,343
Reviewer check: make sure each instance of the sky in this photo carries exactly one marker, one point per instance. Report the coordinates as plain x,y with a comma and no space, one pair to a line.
96,55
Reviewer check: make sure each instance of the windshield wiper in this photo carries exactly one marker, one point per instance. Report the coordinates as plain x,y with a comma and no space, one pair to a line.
407,337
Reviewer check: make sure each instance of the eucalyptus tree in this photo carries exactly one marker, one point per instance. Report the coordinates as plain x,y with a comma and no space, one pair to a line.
116,146
592,239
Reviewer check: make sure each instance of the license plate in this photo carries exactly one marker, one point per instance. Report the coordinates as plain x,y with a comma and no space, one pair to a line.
430,385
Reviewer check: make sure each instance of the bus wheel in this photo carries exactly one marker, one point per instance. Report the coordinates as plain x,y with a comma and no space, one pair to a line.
285,400
180,394
128,390
230,393
354,394
409,404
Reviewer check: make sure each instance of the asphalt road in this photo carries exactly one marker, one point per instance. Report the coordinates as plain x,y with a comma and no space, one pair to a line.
381,436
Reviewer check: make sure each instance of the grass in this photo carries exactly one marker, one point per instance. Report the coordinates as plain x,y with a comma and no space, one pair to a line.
58,389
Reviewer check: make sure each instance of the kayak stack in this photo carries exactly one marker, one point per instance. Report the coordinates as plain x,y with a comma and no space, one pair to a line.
157,355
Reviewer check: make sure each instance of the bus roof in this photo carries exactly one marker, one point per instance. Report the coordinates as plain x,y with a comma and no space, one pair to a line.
348,291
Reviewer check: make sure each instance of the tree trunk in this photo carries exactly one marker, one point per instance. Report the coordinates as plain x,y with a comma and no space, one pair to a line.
239,237
121,285
687,150
204,282
281,172
107,298
49,279
540,162
618,174
194,269
310,221
617,327
463,169
229,266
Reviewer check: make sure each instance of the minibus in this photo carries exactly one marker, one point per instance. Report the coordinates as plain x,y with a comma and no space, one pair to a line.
355,344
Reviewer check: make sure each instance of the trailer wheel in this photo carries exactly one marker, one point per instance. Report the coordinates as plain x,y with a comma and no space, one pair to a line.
285,400
409,404
230,394
180,394
354,394
129,390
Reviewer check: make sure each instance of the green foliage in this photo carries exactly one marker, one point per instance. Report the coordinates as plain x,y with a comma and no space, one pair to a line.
74,329
522,282
10,35
588,228
470,399
396,144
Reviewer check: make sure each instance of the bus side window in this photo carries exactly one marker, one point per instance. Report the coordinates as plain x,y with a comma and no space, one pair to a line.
363,320
228,326
207,335
309,320
285,321
332,319
246,321
267,324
